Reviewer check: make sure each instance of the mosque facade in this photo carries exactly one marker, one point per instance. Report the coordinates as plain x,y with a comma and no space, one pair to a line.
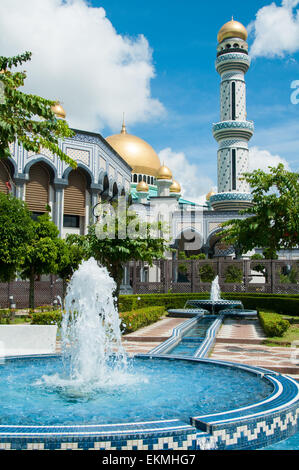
124,164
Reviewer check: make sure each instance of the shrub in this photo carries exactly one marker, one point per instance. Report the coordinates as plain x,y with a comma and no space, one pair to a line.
273,324
5,317
53,317
206,273
135,319
183,268
233,274
284,304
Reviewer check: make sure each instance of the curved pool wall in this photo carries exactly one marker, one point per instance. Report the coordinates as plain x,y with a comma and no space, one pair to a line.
259,425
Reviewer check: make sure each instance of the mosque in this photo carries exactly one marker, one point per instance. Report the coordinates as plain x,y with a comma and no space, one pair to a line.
124,164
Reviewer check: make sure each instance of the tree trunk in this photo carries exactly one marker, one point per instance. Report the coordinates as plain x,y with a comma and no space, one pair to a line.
64,286
116,271
31,290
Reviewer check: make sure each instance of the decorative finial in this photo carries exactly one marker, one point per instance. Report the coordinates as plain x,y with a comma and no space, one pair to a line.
123,128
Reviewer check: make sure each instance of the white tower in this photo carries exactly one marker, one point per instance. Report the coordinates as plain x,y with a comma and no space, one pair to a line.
233,131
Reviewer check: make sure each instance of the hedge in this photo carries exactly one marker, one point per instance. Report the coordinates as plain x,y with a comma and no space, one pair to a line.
137,318
53,317
130,320
279,303
273,324
5,316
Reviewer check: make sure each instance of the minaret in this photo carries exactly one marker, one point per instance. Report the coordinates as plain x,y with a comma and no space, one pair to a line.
233,131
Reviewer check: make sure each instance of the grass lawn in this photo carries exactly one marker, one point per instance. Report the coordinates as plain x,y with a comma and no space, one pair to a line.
292,334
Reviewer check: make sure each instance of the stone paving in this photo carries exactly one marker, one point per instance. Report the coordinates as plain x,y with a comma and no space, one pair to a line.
147,338
242,341
238,341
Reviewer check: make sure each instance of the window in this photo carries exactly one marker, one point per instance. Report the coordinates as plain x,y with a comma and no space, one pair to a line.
139,178
234,183
233,101
72,221
135,178
144,178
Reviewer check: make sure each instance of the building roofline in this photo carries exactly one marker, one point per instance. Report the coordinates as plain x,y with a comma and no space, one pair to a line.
104,141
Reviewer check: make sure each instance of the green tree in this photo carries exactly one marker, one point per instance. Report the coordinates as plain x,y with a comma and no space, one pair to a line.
26,117
114,240
272,221
41,252
16,230
69,256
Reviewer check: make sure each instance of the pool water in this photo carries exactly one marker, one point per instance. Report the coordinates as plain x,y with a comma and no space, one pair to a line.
192,338
33,392
292,443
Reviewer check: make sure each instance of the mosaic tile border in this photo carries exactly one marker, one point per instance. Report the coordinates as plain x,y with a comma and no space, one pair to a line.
258,425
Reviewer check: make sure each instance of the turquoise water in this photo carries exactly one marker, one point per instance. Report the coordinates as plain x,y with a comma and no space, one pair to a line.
292,443
33,392
192,339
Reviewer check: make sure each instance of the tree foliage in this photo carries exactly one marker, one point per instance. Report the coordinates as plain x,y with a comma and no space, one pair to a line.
41,252
26,117
272,222
114,240
16,229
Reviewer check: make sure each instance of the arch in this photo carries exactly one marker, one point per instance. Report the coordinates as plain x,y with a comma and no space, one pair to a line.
83,167
213,234
217,248
115,190
37,159
75,193
40,177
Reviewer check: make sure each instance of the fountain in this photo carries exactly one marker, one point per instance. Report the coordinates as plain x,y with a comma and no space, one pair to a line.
90,329
92,396
215,303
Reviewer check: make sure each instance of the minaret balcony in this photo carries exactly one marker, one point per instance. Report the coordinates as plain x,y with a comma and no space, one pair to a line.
232,61
233,129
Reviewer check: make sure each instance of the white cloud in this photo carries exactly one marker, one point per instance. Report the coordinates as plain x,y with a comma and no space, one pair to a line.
276,30
194,184
79,58
261,159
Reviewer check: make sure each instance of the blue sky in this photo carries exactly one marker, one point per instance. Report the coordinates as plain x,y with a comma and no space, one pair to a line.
183,37
155,61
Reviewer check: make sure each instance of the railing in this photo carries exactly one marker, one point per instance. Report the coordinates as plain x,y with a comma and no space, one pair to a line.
186,276
179,276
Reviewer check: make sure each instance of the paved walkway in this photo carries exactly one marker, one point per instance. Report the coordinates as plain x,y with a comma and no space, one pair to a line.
237,341
147,338
242,341
247,331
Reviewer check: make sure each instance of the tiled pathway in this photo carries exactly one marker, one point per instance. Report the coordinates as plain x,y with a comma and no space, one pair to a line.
237,341
244,330
241,341
145,339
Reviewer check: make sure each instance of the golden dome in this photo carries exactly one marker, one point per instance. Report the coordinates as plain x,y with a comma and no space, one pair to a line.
232,29
142,187
58,110
175,187
208,196
164,173
136,152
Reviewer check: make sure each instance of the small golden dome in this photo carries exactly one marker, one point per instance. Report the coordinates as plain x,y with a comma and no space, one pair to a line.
142,187
136,152
58,110
208,196
175,187
232,29
164,173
